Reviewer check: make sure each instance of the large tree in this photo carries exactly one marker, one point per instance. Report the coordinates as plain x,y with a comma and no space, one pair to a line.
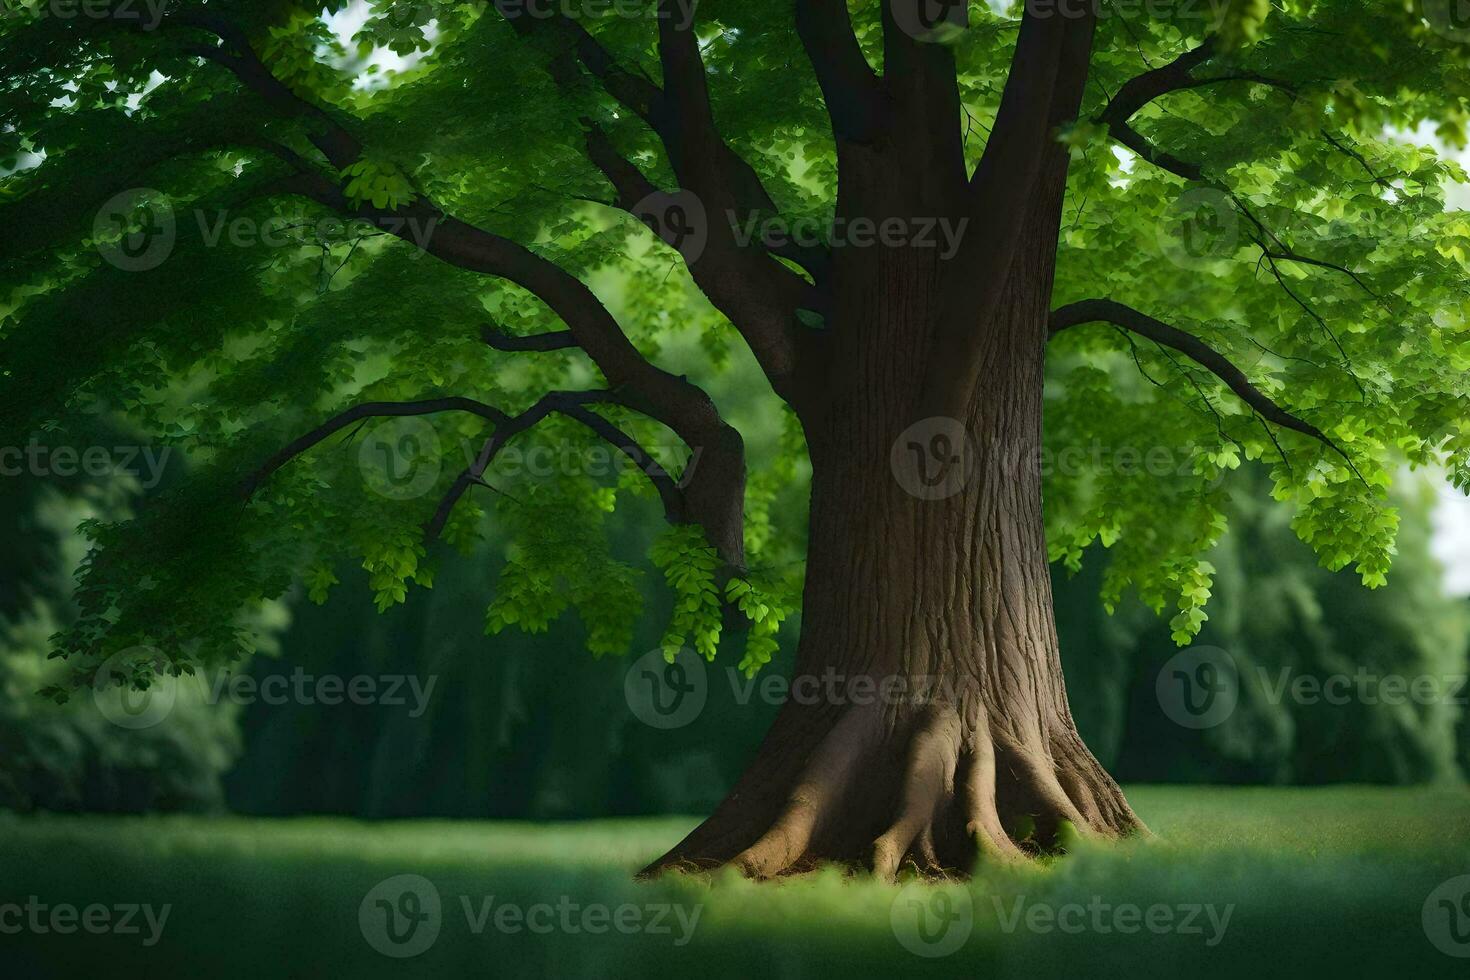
1017,209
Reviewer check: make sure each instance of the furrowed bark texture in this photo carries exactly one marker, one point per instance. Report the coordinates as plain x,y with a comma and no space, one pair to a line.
936,730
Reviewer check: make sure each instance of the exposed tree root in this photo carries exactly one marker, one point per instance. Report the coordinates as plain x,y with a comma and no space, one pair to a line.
936,792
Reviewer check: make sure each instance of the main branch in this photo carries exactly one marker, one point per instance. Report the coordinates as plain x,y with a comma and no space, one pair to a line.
758,295
715,495
1108,311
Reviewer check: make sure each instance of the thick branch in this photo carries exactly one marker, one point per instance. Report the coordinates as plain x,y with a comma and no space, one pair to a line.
538,342
849,85
235,54
686,120
670,399
668,490
359,413
659,108
572,405
630,183
921,82
1140,90
1018,139
1108,311
1176,76
1016,190
1135,141
757,294
716,494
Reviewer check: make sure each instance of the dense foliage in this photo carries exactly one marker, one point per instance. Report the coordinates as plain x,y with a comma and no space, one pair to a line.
73,756
1280,201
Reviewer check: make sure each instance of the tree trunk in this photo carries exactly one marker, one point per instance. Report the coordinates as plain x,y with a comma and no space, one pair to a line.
929,719
938,731
936,726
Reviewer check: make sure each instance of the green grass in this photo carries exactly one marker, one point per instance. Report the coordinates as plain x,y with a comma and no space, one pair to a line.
1320,882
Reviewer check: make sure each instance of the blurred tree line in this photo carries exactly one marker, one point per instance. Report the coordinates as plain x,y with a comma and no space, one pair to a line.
520,727
530,726
72,757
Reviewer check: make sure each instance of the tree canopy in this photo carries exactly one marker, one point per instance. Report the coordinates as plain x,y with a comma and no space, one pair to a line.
347,295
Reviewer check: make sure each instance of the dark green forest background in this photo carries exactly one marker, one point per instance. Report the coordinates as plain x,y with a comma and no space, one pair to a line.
533,727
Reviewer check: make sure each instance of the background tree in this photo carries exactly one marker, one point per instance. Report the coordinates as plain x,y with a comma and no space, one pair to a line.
1309,322
74,757
521,728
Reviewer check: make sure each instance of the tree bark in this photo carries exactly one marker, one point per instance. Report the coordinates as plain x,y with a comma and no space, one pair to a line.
935,726
939,730
928,723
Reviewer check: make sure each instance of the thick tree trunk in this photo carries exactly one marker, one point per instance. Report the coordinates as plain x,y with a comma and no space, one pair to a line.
939,729
940,732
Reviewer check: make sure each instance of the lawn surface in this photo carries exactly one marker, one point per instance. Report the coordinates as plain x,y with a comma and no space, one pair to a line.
1238,883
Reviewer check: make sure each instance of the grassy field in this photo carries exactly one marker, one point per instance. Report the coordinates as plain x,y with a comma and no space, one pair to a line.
1238,882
